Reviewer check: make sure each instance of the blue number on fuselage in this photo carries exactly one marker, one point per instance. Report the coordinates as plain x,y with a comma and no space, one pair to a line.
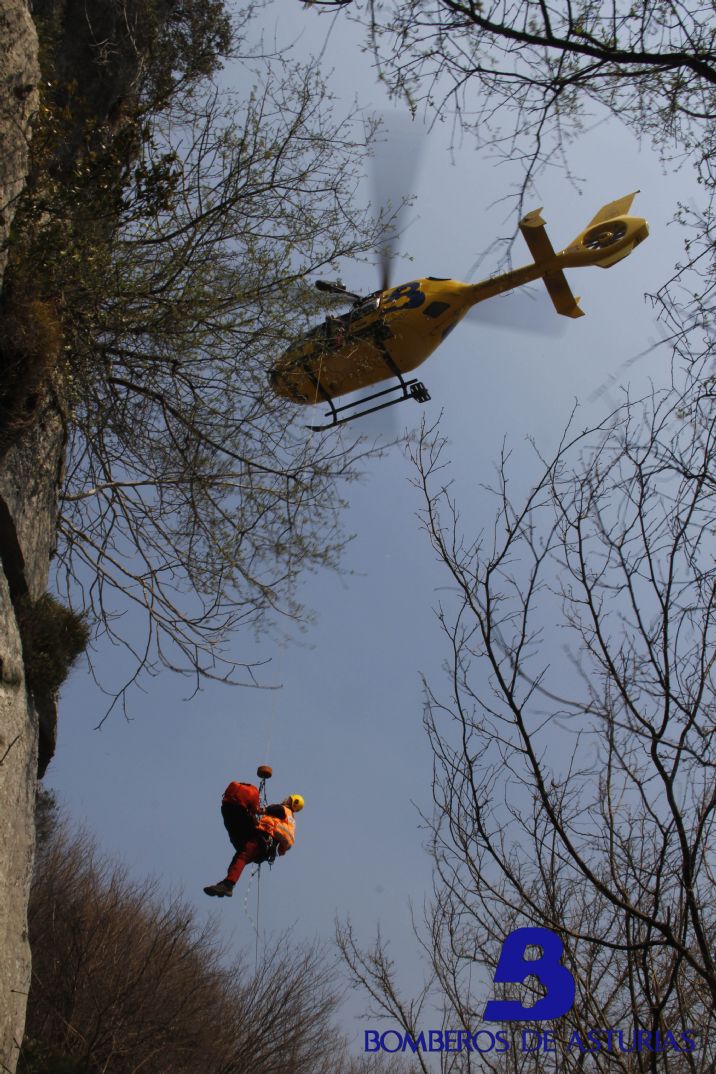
411,291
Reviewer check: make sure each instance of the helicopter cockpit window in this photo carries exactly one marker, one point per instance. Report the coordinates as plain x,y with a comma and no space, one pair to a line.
332,326
366,306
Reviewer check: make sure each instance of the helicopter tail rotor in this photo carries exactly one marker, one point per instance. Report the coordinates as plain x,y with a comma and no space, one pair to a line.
609,237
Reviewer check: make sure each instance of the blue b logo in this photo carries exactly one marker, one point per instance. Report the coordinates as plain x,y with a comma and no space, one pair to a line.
514,968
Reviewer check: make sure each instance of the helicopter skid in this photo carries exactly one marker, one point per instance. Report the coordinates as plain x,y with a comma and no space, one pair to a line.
410,389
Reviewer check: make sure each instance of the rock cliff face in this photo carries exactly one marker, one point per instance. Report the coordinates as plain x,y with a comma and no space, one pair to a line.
18,736
19,75
24,557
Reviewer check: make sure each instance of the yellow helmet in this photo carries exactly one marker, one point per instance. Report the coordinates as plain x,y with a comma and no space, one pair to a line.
295,803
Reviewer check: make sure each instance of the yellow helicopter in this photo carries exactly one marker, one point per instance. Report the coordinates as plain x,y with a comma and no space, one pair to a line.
392,331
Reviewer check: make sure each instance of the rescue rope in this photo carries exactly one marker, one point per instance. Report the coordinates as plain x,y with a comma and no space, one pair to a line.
262,801
255,925
258,909
272,718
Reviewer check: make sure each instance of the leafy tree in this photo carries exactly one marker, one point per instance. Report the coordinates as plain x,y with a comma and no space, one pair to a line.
154,275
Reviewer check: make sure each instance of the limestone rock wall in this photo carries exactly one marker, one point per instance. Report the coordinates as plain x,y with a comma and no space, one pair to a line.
24,559
29,479
29,475
19,77
18,768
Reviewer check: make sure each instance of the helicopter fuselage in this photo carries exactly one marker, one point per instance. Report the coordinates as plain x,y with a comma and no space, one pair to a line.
390,332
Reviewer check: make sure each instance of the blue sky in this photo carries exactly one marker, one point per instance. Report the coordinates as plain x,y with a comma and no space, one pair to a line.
345,729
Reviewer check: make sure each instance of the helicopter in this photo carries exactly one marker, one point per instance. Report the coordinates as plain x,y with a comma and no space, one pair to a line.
390,332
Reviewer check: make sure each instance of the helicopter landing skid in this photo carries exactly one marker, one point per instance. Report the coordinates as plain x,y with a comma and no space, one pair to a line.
410,389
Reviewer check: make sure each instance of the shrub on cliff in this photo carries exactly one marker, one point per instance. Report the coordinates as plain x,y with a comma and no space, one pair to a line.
53,637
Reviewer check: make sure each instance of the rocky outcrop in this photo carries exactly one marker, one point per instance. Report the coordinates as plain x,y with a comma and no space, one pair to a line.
29,479
25,560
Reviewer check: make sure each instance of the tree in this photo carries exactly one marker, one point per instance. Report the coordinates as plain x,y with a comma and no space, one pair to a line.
173,222
653,68
574,767
183,472
124,980
523,75
524,79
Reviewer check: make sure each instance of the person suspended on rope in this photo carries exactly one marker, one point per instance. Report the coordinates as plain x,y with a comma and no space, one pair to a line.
256,834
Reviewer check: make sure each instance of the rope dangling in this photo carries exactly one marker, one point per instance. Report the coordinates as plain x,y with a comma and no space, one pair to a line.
258,911
254,924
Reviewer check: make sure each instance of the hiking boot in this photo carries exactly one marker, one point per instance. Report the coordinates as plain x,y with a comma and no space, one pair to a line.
222,889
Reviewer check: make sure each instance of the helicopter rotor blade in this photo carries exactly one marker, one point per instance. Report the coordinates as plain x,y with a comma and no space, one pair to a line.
387,254
397,148
524,310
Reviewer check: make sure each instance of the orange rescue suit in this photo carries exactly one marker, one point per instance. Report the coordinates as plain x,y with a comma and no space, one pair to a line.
278,824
